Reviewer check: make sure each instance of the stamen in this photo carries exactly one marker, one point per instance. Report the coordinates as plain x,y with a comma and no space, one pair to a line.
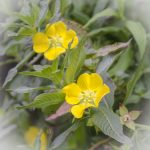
87,96
56,41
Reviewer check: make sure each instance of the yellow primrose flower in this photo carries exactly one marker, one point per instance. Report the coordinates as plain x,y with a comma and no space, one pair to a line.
31,135
87,92
55,40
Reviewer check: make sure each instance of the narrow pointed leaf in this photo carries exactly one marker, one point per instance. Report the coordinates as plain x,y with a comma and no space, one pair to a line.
110,124
139,35
75,62
105,13
25,89
44,100
62,137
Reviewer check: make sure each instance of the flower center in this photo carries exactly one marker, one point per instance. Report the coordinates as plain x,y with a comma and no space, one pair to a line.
56,41
127,118
87,96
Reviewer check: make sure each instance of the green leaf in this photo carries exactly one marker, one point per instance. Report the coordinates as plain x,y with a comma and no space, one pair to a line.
13,43
56,14
26,31
34,12
134,99
108,29
105,13
55,64
80,16
23,121
26,19
44,100
65,4
13,72
25,89
123,110
120,67
42,12
57,77
62,137
31,15
133,80
139,35
121,4
109,123
101,5
45,72
75,62
108,100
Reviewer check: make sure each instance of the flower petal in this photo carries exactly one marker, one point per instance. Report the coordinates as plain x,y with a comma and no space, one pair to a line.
95,81
101,93
70,34
72,90
31,135
70,38
84,81
60,28
53,53
50,30
72,93
40,42
78,110
72,100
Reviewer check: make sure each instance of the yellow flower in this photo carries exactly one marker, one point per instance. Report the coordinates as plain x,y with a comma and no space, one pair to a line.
55,40
31,135
87,92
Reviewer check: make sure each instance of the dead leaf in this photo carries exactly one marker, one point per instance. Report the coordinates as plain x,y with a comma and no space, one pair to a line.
62,110
112,48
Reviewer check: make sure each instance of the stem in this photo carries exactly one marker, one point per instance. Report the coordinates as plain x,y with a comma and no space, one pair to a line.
65,61
35,59
55,64
96,145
